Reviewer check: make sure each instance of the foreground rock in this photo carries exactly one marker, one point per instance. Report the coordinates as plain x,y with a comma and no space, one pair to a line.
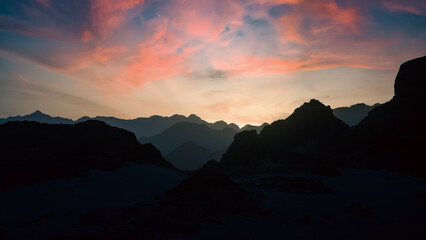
393,135
33,151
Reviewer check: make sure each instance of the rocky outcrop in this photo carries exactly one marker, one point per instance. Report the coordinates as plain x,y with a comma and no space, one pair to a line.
394,134
410,83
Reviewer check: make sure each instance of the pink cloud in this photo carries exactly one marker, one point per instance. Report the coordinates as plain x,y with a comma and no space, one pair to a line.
167,50
203,18
326,17
108,15
190,36
392,6
275,2
45,3
87,36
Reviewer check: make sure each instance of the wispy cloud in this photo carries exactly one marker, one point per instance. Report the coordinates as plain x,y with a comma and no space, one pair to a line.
25,85
124,46
393,6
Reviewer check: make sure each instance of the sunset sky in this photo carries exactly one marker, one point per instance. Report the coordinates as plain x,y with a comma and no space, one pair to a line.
242,61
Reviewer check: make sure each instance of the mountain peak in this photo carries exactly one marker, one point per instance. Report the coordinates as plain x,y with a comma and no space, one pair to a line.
313,108
194,117
38,113
313,118
82,119
92,123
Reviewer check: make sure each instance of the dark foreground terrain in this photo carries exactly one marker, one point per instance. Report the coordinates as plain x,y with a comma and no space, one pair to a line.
309,176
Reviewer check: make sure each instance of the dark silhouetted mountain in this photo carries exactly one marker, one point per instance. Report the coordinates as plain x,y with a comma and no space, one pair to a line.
222,124
354,114
285,143
394,134
201,134
38,116
219,125
190,156
307,123
258,129
142,127
82,119
33,151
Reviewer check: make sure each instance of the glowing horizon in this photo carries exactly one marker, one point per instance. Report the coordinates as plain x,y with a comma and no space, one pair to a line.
241,61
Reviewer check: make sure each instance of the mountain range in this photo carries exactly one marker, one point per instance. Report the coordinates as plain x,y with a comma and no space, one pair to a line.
313,139
182,135
142,127
38,116
202,135
307,176
150,126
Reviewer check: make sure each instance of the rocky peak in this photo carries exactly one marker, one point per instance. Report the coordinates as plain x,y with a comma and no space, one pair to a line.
37,113
410,82
313,108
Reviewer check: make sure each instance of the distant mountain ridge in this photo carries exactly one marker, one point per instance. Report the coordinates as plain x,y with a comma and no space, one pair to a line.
150,126
38,116
142,127
354,114
183,132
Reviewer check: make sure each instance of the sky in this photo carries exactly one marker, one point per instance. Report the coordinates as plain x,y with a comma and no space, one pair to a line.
242,61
